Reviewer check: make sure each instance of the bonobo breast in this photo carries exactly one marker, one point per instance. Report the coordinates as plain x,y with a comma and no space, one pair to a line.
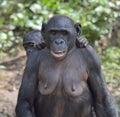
67,76
63,90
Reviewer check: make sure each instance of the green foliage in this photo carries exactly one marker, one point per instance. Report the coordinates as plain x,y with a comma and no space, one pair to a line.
111,65
19,17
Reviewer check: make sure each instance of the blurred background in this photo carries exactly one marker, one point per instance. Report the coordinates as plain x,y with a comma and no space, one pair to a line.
100,21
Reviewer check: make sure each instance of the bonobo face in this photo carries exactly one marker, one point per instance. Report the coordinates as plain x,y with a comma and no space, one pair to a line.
59,34
32,40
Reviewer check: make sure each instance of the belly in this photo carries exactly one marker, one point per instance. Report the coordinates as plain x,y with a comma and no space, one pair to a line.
62,101
63,106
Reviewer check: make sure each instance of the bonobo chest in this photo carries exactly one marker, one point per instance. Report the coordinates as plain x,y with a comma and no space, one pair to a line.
67,76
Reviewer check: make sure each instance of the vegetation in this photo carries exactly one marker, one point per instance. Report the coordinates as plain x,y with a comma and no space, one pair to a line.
111,66
19,17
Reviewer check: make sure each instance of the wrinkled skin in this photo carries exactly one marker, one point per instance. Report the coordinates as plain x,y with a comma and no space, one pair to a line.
64,81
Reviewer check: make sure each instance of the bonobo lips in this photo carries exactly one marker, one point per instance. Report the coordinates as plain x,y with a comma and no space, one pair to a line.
59,54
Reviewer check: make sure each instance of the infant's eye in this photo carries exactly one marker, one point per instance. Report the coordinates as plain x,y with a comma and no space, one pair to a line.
31,44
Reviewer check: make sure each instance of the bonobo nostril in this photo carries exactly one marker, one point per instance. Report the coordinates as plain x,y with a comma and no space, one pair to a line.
29,51
59,41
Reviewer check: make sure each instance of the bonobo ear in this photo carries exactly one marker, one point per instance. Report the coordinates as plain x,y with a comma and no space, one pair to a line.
78,29
43,29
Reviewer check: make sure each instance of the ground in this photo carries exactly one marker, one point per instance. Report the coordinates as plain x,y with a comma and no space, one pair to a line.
11,69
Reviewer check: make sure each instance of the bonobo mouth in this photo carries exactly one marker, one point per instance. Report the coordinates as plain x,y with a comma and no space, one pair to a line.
59,54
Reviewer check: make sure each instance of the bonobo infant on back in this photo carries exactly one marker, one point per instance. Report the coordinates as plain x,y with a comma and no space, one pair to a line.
68,80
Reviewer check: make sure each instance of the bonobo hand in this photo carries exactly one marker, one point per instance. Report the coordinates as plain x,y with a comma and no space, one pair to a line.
41,45
81,42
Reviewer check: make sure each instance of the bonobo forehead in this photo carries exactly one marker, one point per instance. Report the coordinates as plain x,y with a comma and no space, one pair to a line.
60,22
33,36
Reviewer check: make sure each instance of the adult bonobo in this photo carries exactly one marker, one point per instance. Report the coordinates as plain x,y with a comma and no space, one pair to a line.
69,81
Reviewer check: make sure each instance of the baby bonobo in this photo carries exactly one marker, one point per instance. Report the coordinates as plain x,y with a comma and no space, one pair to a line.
33,41
68,80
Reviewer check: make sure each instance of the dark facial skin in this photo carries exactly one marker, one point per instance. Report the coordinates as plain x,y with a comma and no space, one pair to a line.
33,41
67,82
59,39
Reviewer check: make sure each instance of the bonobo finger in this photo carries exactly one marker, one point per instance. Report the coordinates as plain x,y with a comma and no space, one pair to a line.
41,45
84,42
81,42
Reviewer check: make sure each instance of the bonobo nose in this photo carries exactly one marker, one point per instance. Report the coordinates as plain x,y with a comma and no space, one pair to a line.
29,51
59,41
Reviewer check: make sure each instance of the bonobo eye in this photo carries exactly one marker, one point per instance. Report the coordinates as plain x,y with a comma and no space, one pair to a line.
31,44
53,32
64,32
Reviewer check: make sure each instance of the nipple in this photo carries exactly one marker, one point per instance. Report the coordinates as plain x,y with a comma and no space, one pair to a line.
46,85
73,87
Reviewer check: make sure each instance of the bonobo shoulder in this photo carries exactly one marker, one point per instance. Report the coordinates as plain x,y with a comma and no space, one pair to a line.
91,56
93,53
91,50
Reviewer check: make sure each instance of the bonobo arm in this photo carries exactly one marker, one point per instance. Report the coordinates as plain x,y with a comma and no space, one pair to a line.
102,99
28,86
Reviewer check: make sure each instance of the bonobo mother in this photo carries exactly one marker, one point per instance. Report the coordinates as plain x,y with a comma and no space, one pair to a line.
68,80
